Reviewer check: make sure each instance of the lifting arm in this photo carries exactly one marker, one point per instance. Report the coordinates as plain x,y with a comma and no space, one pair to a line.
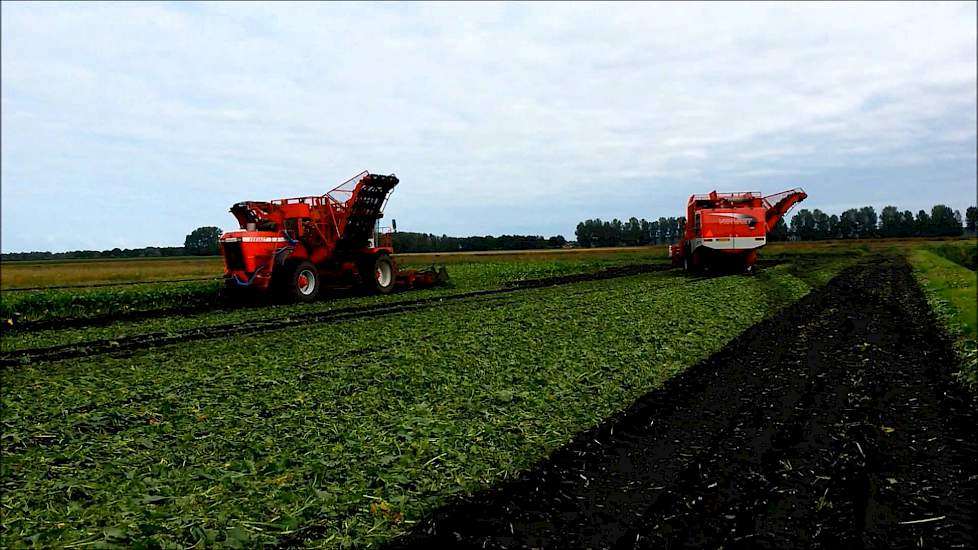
779,204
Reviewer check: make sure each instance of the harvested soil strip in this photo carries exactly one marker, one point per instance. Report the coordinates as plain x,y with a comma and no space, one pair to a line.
156,339
836,424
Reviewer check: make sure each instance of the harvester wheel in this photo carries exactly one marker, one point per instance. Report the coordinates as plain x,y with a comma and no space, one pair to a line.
749,260
233,292
302,281
378,274
692,260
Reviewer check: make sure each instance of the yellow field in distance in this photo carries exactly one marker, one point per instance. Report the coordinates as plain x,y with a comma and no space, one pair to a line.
45,273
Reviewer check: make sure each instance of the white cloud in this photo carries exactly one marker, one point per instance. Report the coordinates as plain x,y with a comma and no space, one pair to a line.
159,116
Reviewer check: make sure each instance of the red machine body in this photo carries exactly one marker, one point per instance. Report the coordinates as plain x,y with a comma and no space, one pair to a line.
727,229
301,244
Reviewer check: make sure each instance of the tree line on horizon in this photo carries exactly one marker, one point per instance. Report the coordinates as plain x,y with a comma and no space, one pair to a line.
805,225
854,223
202,241
406,241
863,223
634,232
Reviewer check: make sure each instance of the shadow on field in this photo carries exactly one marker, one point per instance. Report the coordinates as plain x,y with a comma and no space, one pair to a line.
835,424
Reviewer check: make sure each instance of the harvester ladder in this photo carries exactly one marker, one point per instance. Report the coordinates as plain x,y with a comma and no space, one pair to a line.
365,207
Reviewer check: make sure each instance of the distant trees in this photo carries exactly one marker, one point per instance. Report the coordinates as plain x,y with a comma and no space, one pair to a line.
854,223
426,242
815,224
557,241
941,222
147,252
596,232
862,223
867,221
944,221
807,225
780,231
803,224
922,223
203,241
891,222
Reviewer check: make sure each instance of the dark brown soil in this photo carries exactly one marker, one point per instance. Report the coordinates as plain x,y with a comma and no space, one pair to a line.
836,424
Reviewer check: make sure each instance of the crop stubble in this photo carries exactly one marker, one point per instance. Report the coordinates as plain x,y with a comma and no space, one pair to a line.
836,424
297,432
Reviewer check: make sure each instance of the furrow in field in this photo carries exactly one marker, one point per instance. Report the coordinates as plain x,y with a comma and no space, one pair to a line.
79,308
836,424
156,339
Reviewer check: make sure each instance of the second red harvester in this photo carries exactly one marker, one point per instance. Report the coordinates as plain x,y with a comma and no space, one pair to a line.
725,230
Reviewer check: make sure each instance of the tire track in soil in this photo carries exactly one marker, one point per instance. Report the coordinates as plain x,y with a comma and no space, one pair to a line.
358,354
146,341
222,302
831,425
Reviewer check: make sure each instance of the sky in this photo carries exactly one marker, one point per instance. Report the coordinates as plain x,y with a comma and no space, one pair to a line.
131,124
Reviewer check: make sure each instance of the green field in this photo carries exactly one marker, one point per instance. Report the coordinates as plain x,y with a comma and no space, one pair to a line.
48,273
17,308
345,433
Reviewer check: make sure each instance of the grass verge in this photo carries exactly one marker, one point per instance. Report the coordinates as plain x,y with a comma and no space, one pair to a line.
963,252
952,291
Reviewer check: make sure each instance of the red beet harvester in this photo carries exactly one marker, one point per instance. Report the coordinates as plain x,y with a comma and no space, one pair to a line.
725,230
297,246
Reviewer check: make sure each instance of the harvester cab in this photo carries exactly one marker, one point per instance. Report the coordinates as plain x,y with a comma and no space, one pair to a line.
725,230
297,246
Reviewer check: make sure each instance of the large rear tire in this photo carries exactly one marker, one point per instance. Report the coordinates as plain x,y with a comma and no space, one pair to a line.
695,260
300,282
749,260
378,274
233,293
